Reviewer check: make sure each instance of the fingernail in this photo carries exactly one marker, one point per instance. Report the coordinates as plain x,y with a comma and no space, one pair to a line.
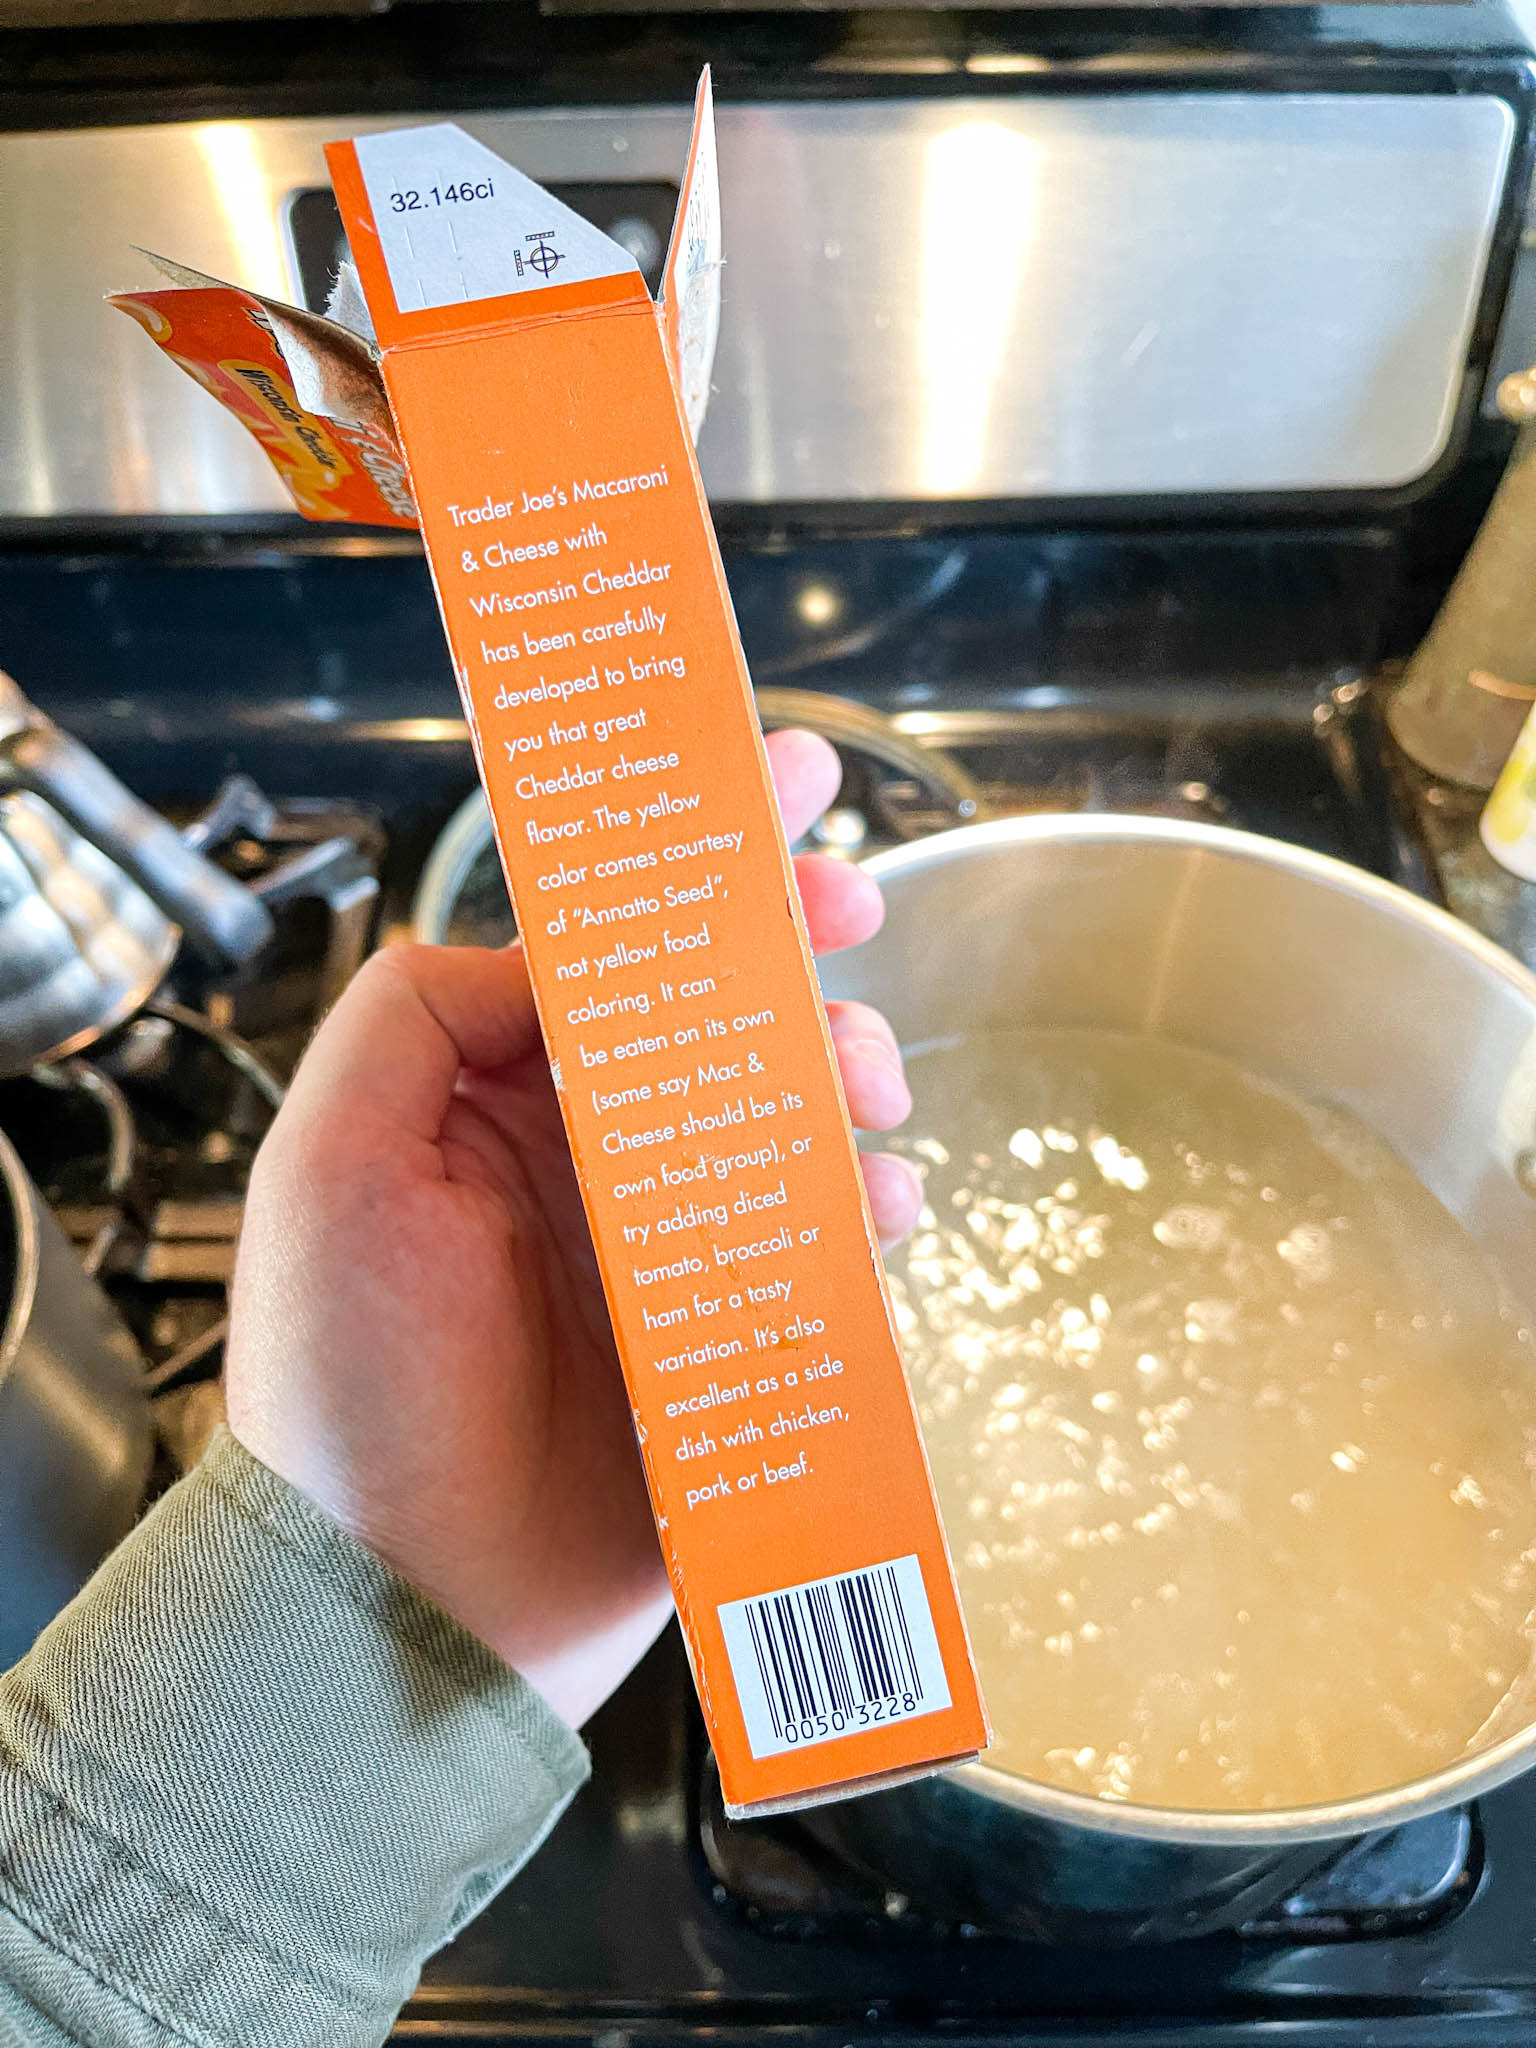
916,1194
885,1099
879,1049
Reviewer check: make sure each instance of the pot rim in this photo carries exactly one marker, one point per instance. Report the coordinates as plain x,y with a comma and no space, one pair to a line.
1122,828
1391,1805
18,1191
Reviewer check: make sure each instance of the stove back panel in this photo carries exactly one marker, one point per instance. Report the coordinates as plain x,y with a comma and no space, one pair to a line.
1023,296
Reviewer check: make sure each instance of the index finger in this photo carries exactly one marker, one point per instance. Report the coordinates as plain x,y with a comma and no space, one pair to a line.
806,774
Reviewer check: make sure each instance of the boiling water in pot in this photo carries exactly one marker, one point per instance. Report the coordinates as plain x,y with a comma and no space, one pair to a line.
1233,1425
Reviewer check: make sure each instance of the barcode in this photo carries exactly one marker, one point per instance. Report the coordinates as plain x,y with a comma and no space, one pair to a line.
833,1656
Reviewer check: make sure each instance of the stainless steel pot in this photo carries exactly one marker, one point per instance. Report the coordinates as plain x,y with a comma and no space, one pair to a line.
1317,976
75,1432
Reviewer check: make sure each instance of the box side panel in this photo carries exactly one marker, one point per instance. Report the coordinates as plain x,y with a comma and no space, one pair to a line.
594,640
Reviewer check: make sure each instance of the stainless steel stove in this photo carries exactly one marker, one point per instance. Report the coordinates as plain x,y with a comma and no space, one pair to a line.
1149,554
1221,675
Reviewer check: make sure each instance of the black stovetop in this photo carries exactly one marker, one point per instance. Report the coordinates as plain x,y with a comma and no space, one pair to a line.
621,1930
1218,675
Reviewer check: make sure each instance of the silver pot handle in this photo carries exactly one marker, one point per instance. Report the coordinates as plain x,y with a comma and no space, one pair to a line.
864,730
220,916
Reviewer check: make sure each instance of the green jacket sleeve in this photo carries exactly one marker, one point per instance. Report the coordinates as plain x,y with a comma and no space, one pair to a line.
249,1781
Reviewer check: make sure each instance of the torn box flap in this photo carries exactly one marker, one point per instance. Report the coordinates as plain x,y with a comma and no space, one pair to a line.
690,289
335,373
334,368
307,389
346,304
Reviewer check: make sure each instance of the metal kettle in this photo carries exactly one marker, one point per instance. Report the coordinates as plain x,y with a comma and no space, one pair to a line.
95,893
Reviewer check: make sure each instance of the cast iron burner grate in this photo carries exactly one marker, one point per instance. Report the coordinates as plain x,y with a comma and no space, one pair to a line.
142,1147
785,1884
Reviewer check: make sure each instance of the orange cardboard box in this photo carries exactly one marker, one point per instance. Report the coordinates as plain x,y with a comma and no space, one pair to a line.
337,464
542,403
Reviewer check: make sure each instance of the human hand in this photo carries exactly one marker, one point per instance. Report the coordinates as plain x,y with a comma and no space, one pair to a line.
419,1341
